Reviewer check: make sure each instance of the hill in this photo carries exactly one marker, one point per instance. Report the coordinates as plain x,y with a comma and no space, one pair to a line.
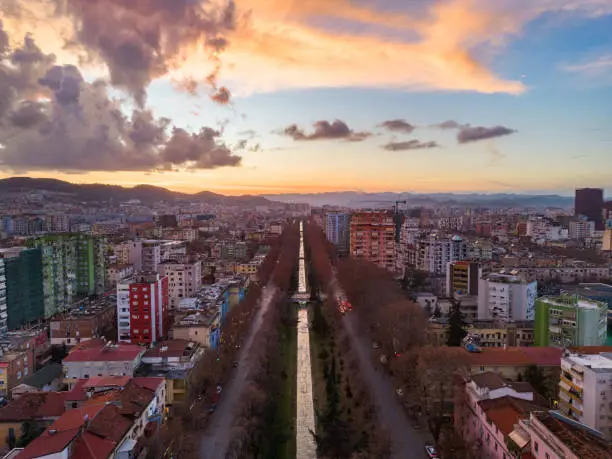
104,193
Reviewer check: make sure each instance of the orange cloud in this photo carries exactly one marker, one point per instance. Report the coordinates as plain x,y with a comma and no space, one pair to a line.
280,44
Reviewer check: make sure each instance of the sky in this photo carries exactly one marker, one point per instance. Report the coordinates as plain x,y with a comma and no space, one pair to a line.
283,96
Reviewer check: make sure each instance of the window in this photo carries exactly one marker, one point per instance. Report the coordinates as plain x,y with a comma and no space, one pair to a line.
547,456
536,447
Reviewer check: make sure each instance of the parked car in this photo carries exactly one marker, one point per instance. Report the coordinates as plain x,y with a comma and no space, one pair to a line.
235,363
212,408
431,452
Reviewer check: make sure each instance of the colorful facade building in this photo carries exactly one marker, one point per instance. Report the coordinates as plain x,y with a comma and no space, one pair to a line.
569,321
142,308
73,265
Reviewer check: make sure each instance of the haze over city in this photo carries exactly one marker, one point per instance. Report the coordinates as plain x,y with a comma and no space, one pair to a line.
442,96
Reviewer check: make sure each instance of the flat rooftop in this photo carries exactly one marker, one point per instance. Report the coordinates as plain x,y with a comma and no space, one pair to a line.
572,301
593,361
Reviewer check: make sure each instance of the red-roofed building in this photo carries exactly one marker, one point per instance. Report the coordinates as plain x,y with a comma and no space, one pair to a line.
512,361
110,422
41,407
97,358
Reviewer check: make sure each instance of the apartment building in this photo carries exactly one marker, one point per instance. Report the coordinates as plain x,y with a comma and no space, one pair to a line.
151,256
21,288
101,358
462,277
486,333
581,229
15,365
142,308
115,273
129,253
569,321
73,265
199,327
372,237
585,393
434,251
84,321
506,296
184,279
338,230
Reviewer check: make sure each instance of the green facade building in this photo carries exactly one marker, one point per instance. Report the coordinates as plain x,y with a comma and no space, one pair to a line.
570,321
23,288
74,265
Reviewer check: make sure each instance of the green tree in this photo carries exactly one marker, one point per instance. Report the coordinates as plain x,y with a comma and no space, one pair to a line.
456,325
29,431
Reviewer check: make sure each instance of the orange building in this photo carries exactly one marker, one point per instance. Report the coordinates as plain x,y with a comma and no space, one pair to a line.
373,237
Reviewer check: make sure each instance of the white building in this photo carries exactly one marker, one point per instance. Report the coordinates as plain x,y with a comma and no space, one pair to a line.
434,252
117,272
506,296
580,230
585,390
184,280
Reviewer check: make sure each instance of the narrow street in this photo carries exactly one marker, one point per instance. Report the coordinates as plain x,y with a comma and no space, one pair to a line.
216,438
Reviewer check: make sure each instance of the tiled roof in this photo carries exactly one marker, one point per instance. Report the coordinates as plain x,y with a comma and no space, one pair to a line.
170,348
516,356
489,380
106,381
590,350
104,353
94,431
35,405
151,383
77,393
583,444
506,411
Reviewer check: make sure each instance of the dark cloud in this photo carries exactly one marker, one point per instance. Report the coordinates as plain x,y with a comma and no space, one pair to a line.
409,145
474,133
398,125
325,130
28,114
221,96
140,40
449,124
52,119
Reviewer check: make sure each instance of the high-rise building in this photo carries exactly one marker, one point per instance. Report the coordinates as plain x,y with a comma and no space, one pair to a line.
372,238
338,230
184,280
435,251
23,287
584,388
590,203
506,297
74,264
142,308
462,277
581,229
570,321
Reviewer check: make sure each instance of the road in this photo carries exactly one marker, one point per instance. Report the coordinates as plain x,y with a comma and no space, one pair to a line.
406,442
217,436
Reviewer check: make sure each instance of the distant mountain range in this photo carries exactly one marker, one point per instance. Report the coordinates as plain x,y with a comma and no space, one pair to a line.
105,193
353,199
356,199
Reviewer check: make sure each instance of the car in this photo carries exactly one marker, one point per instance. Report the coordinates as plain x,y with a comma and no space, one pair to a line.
431,452
235,364
212,408
416,426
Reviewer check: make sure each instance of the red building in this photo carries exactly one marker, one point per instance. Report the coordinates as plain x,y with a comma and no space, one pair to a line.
373,238
142,308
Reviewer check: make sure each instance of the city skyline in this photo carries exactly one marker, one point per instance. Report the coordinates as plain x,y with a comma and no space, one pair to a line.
448,96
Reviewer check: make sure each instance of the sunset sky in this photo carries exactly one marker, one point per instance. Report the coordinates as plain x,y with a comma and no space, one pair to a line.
326,95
